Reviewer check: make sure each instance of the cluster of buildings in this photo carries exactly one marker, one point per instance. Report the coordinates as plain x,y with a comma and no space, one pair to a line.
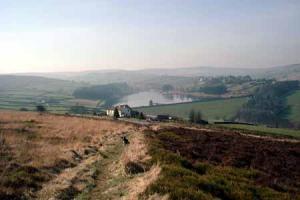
127,112
123,110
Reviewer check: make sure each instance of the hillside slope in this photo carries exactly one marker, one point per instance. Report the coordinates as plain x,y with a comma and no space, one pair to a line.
12,82
18,92
62,157
286,72
289,72
205,164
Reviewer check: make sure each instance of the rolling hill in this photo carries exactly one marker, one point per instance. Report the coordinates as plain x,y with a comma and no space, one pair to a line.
13,82
18,92
287,72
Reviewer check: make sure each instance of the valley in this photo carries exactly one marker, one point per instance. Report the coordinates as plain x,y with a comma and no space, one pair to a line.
149,100
218,98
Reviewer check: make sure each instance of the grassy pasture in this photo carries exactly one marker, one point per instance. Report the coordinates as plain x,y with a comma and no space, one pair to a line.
53,101
212,110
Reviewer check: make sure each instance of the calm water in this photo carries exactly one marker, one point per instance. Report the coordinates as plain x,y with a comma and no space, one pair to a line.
143,98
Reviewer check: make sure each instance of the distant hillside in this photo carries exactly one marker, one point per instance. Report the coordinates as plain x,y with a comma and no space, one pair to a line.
136,79
12,82
98,76
202,71
288,72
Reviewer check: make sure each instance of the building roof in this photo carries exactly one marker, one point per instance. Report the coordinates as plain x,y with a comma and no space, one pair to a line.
119,107
123,106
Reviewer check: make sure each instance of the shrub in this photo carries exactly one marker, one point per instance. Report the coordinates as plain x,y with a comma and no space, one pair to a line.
201,168
40,108
116,113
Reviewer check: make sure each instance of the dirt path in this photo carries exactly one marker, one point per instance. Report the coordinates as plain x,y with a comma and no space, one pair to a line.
101,174
113,182
72,181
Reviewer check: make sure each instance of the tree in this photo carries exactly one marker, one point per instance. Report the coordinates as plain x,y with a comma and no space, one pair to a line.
198,117
151,103
213,89
142,116
167,87
40,108
116,113
268,105
192,115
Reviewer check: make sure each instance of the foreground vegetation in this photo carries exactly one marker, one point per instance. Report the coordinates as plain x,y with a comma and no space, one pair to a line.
211,110
72,157
189,174
37,148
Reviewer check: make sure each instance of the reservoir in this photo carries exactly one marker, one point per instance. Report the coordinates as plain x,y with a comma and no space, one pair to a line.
143,98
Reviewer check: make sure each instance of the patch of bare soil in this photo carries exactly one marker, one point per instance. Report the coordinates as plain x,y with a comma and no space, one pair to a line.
279,161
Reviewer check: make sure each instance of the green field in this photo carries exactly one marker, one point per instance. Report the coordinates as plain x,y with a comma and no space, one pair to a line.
294,102
263,130
212,110
55,102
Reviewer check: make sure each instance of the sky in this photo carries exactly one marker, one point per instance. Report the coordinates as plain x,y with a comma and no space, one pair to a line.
77,35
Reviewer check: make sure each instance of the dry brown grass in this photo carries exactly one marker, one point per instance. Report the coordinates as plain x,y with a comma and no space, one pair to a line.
137,152
43,141
158,197
139,184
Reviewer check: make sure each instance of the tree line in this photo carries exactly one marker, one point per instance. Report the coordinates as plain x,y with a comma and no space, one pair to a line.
268,104
110,93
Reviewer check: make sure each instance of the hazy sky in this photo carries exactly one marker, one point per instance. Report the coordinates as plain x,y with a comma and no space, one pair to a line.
72,35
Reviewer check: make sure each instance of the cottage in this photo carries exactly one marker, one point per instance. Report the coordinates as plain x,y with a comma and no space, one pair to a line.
124,111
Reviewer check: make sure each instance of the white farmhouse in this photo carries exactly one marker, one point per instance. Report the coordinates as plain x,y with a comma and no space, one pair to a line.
124,111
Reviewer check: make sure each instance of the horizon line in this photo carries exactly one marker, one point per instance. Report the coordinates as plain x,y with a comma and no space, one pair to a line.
143,69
